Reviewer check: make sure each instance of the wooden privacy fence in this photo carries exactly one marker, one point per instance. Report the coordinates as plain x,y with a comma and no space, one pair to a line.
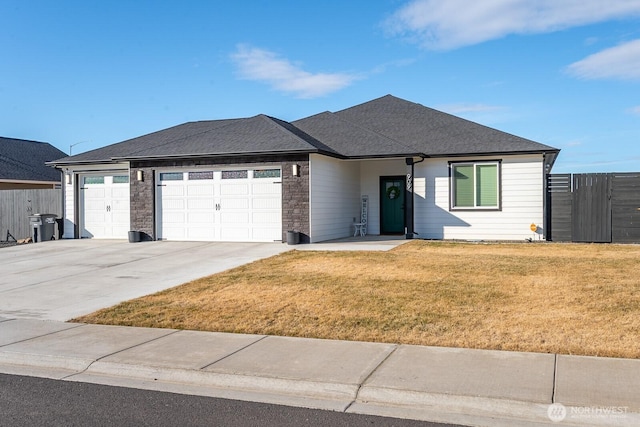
594,207
17,205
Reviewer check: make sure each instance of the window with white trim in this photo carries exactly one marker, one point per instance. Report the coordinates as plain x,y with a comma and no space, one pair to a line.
475,185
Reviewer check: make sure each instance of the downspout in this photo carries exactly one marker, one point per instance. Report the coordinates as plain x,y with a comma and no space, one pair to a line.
409,198
546,199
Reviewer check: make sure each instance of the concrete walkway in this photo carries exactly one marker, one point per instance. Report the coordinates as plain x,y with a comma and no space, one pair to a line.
469,387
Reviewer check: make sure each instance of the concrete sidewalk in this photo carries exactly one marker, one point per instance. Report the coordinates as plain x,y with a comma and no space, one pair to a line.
469,387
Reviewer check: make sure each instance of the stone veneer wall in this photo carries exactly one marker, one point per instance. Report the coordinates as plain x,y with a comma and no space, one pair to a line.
295,190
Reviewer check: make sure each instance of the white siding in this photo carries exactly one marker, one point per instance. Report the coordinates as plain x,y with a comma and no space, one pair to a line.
522,202
69,212
334,197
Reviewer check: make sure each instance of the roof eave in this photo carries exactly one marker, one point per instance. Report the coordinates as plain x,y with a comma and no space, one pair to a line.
495,153
57,163
214,155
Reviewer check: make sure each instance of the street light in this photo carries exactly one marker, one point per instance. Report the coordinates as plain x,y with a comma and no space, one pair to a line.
77,143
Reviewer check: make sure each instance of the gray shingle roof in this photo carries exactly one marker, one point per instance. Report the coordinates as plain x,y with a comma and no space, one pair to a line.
24,160
384,127
352,140
260,134
432,132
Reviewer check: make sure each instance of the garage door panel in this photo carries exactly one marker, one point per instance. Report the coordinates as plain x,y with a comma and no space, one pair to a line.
95,205
201,204
172,190
235,204
200,190
94,192
234,189
264,204
265,218
233,218
170,218
235,234
266,234
120,192
201,234
176,233
95,217
266,188
120,218
201,218
172,204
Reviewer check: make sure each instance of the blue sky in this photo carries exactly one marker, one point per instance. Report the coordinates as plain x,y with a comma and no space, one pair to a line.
92,73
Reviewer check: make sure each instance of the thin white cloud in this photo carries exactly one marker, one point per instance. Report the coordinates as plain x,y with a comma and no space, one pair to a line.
397,64
468,108
635,110
574,143
283,75
437,24
619,62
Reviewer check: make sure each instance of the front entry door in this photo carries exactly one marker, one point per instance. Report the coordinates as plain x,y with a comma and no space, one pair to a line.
392,190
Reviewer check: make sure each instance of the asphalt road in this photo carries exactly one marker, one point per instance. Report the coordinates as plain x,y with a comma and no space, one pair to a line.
33,402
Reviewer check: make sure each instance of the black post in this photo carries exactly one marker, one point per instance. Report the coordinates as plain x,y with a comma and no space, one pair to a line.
408,200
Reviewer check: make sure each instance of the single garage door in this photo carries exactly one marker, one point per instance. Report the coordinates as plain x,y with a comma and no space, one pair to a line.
242,205
104,205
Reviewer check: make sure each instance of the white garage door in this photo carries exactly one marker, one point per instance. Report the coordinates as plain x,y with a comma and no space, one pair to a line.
104,205
242,205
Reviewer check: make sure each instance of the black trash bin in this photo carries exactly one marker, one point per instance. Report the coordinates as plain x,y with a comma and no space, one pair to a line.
293,237
135,236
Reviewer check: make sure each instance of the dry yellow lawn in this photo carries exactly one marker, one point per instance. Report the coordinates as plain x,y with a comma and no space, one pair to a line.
541,297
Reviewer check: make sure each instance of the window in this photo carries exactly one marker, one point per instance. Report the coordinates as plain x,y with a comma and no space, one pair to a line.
193,176
266,173
93,180
171,176
240,174
121,179
475,185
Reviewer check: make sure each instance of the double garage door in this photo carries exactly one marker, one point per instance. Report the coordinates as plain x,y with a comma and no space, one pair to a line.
219,205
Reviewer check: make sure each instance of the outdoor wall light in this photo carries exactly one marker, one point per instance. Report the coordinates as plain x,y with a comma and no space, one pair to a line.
68,175
140,175
296,170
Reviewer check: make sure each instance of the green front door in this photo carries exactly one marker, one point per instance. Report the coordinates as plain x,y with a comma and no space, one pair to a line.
392,190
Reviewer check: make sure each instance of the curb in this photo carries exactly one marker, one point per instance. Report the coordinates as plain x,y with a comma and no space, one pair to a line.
260,384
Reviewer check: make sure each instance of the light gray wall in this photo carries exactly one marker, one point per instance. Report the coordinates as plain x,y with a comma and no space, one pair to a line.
17,205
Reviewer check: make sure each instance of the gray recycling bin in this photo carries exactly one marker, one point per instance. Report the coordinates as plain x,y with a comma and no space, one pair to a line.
42,227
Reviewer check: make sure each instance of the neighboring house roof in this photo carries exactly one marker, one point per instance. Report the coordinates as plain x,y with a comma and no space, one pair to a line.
384,127
22,160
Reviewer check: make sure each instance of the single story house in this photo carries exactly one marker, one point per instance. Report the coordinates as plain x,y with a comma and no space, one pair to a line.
22,164
402,167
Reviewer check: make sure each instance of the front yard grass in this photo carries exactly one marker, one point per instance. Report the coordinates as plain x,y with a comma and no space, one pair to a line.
579,299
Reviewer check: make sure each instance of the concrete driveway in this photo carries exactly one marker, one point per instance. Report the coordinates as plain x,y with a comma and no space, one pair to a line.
63,279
